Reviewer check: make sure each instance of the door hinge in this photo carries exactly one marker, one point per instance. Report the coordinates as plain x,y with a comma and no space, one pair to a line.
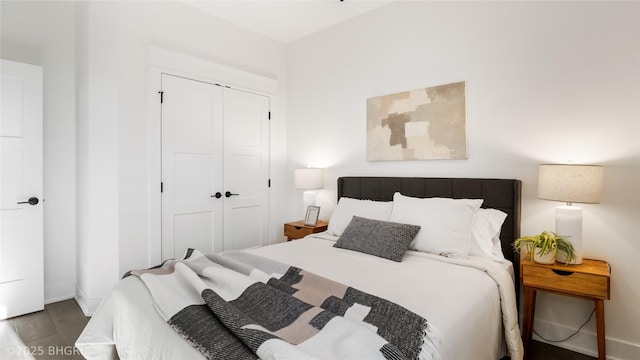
161,96
269,183
269,115
161,187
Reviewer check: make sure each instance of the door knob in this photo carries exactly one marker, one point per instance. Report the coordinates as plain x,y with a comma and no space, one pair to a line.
217,195
229,194
32,201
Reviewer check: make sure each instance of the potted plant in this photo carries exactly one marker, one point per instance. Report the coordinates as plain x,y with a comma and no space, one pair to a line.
544,247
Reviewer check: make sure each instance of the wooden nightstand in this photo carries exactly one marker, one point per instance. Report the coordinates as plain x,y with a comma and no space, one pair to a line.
297,229
589,280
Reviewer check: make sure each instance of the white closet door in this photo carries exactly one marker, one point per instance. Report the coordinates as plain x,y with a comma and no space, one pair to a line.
21,208
215,140
191,164
246,169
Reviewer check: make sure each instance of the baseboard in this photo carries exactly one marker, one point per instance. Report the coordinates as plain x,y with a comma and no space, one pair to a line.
88,305
586,342
59,292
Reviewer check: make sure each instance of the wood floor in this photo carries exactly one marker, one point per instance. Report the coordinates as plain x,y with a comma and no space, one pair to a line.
51,334
543,351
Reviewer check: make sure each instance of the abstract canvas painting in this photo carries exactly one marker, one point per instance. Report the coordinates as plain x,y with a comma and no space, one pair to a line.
422,124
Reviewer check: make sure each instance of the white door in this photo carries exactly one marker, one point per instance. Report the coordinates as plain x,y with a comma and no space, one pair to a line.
191,166
21,228
214,167
246,169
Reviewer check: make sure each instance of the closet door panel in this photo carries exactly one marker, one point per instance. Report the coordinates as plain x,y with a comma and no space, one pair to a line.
246,169
191,163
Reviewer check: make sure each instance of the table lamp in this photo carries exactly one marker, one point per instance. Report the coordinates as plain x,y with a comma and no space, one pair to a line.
309,179
571,184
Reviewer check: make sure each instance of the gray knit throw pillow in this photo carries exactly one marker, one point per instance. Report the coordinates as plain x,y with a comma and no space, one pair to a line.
385,239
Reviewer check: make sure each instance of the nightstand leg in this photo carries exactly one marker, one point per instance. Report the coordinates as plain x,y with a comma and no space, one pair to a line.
602,352
527,318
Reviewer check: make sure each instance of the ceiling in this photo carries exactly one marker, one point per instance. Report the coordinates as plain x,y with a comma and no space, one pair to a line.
286,21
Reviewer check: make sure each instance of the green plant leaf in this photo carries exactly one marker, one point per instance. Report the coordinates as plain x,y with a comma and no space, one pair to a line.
546,242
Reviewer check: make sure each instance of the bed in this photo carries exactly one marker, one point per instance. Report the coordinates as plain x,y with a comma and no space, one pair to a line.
470,302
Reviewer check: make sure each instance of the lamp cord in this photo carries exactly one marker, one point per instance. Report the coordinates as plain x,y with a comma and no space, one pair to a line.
570,336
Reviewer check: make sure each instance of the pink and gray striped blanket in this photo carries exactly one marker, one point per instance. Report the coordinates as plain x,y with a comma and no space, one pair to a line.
237,305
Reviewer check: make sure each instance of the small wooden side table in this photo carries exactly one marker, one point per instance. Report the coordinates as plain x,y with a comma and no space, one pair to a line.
589,280
297,229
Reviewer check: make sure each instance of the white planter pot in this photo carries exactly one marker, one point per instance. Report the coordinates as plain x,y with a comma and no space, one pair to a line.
562,258
549,258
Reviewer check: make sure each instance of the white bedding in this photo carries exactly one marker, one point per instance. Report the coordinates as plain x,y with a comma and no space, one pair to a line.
467,311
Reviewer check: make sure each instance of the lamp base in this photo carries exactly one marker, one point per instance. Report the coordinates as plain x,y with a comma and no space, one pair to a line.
309,199
569,226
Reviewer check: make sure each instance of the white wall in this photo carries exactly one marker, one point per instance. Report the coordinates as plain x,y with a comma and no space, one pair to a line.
43,33
547,82
97,145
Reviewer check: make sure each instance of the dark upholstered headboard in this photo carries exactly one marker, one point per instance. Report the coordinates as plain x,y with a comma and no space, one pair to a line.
501,194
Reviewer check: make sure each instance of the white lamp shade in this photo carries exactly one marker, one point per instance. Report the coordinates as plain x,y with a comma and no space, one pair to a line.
309,178
570,183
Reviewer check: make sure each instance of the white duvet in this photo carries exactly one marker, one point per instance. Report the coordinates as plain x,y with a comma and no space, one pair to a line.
462,298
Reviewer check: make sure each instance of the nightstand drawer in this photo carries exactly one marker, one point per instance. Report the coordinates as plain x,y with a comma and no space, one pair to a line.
297,229
297,232
576,283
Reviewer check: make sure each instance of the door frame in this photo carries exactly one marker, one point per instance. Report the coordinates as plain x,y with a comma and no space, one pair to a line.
177,64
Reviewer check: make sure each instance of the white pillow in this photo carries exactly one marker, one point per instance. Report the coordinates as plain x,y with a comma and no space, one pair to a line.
445,224
485,234
348,208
